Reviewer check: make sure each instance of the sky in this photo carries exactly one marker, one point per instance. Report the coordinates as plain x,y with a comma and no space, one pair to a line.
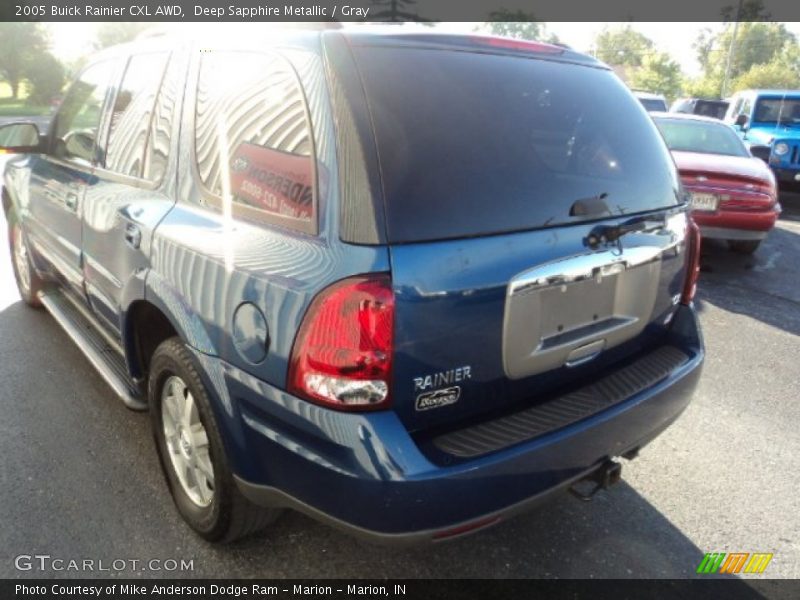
70,40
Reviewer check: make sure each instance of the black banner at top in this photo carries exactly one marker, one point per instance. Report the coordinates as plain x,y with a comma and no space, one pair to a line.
398,10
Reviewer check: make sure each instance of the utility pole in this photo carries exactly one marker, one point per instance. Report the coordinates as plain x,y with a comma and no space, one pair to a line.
731,51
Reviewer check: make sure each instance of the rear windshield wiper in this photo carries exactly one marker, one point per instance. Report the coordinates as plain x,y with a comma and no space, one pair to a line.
610,234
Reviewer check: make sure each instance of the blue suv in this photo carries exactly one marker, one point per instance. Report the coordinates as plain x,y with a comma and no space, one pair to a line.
770,118
409,284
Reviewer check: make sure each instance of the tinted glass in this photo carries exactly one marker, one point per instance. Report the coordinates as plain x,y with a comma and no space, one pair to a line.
783,111
653,105
473,144
709,108
158,142
253,141
746,107
681,106
132,113
686,135
78,120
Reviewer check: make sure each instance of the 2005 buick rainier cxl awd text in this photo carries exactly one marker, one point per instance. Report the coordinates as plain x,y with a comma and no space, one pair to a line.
407,283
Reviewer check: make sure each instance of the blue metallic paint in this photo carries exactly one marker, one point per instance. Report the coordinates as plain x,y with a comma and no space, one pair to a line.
365,469
368,471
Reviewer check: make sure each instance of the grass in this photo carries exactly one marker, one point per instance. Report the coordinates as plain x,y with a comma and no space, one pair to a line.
19,107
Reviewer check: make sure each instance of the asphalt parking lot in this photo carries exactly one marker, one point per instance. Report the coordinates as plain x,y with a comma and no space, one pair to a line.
79,477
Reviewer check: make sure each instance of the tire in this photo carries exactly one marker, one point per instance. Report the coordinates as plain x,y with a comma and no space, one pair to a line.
29,283
205,494
744,246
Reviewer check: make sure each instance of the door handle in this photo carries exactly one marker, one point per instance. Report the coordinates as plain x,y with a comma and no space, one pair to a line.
133,235
71,201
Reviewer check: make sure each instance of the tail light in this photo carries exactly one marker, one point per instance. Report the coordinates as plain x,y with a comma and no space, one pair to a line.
517,45
692,262
342,356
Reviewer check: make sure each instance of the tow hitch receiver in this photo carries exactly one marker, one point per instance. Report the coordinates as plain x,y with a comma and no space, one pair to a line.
609,473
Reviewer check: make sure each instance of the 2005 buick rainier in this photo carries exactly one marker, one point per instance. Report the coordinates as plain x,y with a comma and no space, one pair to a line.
408,283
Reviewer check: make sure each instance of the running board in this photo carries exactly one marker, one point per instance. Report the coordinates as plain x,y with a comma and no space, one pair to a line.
90,338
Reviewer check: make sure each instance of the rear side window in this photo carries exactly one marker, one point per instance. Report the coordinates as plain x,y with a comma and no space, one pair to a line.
253,141
712,109
477,144
156,153
132,114
653,104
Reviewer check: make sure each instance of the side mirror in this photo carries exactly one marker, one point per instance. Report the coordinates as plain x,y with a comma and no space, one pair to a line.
19,138
762,152
741,121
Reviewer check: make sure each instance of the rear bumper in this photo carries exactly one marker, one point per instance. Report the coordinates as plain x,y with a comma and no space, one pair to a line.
736,225
364,472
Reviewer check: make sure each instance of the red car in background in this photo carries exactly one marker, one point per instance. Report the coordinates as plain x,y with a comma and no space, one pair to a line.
734,195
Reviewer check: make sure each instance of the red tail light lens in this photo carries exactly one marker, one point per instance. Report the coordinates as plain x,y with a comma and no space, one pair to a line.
692,262
342,356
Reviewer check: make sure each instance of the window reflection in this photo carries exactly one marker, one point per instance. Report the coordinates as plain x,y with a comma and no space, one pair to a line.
78,119
257,102
132,113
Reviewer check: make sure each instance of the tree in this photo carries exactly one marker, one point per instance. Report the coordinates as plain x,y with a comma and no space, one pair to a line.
660,74
750,10
770,75
46,78
396,11
756,44
703,87
21,44
111,34
783,71
622,46
517,24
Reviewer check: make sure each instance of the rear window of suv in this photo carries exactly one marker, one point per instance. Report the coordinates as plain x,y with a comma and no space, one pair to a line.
475,144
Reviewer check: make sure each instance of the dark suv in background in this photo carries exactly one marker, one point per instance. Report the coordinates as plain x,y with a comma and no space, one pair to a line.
715,109
406,283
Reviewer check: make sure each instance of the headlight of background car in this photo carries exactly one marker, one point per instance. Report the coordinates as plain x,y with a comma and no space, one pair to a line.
781,148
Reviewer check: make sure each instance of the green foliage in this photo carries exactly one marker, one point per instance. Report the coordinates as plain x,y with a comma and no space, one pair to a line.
636,59
757,45
46,77
783,71
623,45
111,34
703,87
19,108
660,74
517,24
21,45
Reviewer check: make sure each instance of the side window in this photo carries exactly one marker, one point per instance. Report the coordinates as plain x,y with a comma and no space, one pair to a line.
132,113
253,142
158,142
733,108
78,120
747,107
